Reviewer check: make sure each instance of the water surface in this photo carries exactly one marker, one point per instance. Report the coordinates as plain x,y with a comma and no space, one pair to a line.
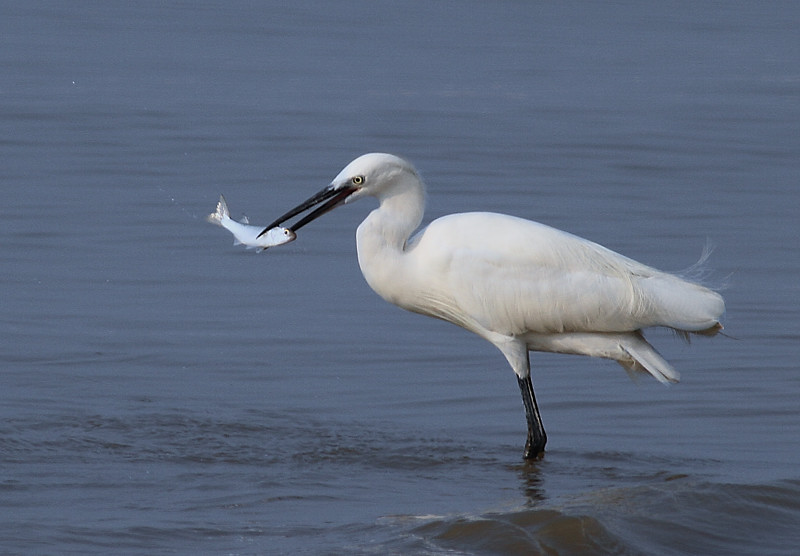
165,392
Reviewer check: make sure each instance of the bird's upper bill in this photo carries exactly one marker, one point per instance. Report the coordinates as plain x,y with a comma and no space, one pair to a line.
368,174
324,201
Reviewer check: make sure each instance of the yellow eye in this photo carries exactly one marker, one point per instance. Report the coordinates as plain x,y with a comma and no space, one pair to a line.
357,180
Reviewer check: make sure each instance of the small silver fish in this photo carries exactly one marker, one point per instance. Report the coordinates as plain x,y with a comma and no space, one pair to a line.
248,235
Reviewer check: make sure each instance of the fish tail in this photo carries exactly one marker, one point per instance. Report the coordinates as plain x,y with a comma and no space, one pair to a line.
221,213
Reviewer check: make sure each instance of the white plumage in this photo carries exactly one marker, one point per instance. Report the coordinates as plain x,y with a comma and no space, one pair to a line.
519,284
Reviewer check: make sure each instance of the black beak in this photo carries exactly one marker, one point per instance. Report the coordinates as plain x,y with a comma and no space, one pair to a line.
333,196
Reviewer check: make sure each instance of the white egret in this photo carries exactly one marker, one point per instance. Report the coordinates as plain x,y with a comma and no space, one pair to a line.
521,285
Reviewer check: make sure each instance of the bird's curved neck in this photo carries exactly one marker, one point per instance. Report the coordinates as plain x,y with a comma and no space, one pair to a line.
382,237
399,213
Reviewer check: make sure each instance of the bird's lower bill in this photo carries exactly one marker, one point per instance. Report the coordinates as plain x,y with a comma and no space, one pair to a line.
325,201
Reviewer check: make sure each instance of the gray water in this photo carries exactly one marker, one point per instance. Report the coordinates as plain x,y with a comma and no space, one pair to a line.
165,392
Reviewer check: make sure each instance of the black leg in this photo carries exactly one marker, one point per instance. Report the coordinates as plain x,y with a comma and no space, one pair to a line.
537,438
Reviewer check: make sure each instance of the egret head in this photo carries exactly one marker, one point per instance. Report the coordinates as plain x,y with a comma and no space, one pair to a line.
369,174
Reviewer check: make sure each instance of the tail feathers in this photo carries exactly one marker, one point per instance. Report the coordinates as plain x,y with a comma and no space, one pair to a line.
710,331
684,305
686,335
222,211
644,358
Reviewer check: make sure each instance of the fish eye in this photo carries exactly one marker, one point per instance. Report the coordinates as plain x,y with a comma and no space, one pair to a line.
357,180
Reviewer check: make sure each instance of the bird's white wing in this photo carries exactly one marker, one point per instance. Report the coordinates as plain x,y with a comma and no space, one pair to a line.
512,276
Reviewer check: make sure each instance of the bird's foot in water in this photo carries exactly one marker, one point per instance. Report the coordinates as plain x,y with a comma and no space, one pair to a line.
534,450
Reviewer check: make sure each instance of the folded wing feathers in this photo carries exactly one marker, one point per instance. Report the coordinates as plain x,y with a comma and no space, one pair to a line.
644,357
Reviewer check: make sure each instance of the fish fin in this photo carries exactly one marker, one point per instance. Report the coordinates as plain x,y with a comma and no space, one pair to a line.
221,212
244,219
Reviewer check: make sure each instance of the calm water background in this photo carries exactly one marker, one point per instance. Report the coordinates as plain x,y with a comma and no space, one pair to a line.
164,392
